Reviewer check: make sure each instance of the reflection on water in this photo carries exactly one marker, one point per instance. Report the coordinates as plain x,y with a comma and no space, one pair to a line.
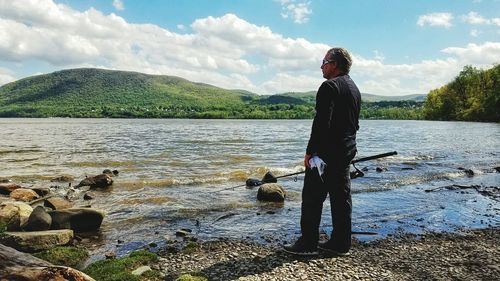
171,171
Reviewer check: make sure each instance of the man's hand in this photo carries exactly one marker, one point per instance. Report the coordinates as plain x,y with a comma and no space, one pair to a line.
306,160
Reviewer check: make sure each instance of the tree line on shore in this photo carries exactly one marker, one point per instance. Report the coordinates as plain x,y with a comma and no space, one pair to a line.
474,95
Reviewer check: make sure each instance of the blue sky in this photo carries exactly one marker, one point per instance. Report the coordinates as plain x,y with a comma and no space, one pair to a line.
263,46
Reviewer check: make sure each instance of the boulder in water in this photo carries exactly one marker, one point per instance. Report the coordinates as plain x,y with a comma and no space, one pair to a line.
99,181
57,203
77,219
271,192
39,220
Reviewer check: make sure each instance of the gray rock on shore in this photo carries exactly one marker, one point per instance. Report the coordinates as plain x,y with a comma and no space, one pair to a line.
271,192
15,214
39,220
34,241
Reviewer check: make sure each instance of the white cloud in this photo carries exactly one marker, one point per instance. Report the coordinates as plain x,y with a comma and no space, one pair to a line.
298,11
224,51
436,19
118,4
6,76
475,18
474,33
483,55
419,78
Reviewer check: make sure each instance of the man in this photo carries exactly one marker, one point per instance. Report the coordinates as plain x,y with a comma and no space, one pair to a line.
333,139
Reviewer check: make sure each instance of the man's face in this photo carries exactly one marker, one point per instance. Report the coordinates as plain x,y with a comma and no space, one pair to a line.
328,67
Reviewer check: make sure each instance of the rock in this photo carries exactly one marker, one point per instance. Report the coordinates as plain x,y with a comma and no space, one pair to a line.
37,240
111,173
497,169
41,191
381,169
109,255
57,203
8,187
63,179
24,194
269,178
139,271
77,219
15,265
88,196
15,214
99,181
39,220
272,192
182,233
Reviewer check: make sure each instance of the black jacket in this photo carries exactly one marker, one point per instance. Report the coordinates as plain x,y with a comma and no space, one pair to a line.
333,133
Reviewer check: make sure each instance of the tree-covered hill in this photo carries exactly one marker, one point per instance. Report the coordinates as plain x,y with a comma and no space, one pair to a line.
474,95
98,93
92,88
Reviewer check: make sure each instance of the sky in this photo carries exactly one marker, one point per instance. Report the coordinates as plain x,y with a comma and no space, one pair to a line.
398,47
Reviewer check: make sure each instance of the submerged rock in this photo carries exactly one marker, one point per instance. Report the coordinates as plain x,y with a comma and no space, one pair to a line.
15,214
7,187
37,240
111,173
77,219
39,220
62,179
99,181
271,192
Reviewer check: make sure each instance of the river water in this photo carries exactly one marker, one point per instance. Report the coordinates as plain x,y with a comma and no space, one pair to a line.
171,171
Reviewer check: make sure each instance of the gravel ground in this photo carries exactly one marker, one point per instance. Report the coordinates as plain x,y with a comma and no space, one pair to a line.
470,255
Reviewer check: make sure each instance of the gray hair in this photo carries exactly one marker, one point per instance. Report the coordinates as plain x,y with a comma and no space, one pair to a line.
342,57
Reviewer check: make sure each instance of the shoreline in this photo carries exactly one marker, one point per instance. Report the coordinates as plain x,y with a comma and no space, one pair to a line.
469,255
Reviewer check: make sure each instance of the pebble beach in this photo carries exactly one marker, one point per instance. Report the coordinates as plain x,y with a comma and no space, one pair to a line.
466,255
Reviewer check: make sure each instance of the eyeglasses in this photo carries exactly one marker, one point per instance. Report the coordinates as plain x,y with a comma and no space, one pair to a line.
326,62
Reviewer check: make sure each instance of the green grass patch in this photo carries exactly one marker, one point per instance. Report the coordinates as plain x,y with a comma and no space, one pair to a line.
64,255
193,277
120,269
191,247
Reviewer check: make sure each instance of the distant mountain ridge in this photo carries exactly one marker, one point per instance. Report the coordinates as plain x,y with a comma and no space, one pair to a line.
310,96
91,92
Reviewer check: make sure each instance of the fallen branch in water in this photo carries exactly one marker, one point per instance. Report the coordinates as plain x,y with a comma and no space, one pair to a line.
490,191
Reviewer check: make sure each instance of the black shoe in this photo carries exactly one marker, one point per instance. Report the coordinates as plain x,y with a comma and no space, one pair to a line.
301,248
330,249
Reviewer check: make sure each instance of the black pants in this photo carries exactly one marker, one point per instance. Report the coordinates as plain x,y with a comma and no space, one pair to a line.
337,183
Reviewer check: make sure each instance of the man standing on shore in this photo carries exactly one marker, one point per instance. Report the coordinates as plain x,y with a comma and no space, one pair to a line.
333,140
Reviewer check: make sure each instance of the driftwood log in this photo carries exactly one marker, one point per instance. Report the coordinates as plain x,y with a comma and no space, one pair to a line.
15,265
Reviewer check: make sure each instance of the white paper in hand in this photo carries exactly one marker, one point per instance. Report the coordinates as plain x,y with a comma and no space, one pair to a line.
318,163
